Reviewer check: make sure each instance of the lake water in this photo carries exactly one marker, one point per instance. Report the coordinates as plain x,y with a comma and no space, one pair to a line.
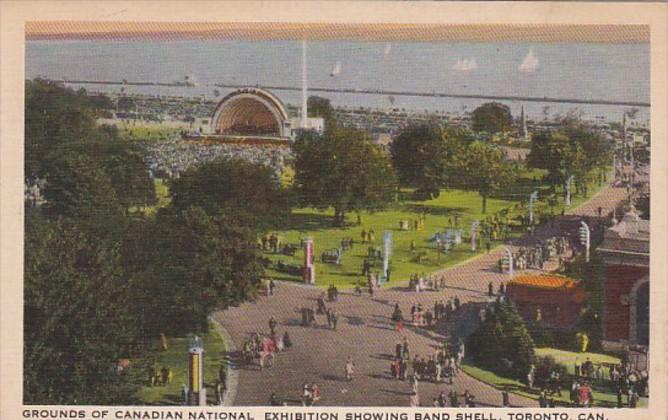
618,72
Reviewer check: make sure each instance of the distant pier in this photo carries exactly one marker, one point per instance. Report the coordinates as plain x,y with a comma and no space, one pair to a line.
380,92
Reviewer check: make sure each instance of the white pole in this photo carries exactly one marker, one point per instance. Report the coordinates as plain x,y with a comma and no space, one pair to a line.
474,230
304,86
511,271
532,198
586,231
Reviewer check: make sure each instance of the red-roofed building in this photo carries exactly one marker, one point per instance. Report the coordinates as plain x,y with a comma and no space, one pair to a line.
555,301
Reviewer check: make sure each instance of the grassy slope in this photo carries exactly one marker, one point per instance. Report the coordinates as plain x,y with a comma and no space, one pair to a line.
176,358
603,397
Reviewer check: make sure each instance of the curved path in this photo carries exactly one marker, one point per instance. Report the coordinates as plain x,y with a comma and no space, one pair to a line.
366,333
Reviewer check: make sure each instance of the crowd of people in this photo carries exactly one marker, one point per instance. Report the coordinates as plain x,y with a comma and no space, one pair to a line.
535,257
169,158
264,348
421,317
422,282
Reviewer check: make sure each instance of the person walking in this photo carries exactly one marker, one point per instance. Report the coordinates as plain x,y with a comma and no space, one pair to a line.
505,397
415,399
349,369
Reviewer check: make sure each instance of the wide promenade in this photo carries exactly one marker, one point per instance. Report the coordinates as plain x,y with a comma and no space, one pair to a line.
366,333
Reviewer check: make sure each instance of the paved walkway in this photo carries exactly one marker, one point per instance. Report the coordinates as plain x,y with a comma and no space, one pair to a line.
366,333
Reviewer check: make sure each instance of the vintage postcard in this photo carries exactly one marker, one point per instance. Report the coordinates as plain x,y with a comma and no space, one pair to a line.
285,210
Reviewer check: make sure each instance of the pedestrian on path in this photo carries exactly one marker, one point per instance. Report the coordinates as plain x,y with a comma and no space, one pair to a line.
350,369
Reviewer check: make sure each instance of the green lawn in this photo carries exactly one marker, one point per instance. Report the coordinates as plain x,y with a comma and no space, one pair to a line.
568,358
440,211
162,199
604,395
176,358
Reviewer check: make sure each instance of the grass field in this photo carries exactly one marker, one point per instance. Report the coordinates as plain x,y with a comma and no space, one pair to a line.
307,222
604,395
176,358
568,358
439,213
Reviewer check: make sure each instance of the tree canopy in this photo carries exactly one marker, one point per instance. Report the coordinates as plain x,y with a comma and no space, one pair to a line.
246,191
482,168
429,157
320,107
343,169
573,150
186,265
76,325
502,342
100,282
492,117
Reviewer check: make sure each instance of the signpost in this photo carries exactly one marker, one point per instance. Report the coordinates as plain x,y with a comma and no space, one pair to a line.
309,261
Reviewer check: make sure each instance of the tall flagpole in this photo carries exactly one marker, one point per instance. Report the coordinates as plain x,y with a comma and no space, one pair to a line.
304,88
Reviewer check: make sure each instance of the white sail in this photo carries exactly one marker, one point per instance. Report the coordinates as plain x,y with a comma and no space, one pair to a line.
336,70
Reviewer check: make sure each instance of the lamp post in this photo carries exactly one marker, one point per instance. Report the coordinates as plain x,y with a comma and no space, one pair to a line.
197,393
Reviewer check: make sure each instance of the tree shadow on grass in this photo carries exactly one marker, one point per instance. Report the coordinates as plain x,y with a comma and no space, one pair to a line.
308,222
432,209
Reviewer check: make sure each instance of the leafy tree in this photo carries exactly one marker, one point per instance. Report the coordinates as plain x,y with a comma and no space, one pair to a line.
55,118
502,343
545,366
76,325
574,149
419,156
320,107
592,275
482,168
492,117
343,169
78,187
189,264
124,164
247,191
86,166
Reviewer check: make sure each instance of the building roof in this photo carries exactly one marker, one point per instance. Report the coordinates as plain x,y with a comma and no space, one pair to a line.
545,288
545,281
627,240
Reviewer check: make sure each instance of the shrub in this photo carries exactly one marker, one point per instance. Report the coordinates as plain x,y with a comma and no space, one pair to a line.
502,343
544,368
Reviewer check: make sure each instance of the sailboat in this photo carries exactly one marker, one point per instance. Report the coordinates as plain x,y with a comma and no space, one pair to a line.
336,70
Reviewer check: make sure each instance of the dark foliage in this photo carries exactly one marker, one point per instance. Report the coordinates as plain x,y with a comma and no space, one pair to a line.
343,169
492,117
236,188
502,343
